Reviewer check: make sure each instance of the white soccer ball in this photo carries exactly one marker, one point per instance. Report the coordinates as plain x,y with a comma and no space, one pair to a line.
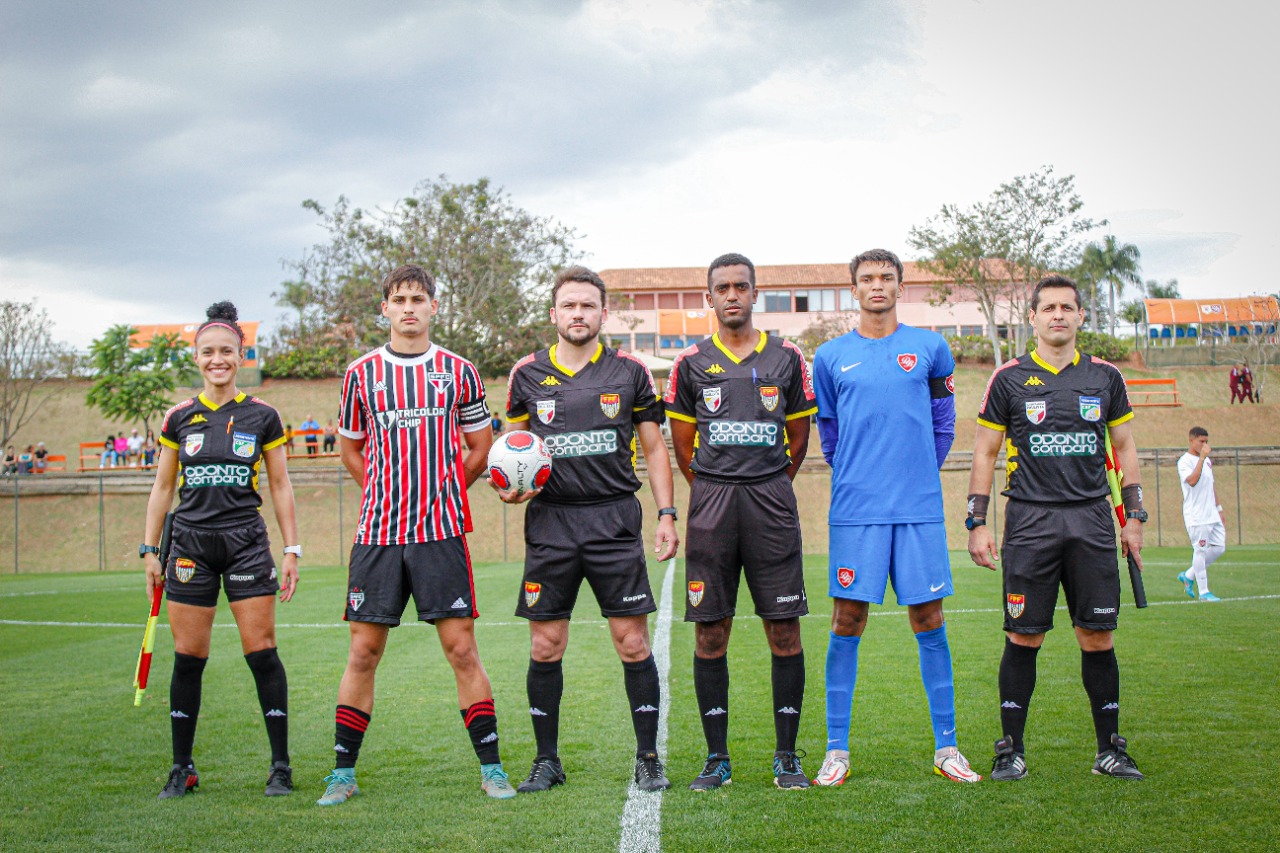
519,461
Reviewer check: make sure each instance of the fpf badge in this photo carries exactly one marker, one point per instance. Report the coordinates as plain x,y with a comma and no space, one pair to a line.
532,592
610,404
696,589
769,397
1016,604
184,569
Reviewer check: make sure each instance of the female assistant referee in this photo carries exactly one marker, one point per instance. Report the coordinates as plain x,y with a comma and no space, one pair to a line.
217,443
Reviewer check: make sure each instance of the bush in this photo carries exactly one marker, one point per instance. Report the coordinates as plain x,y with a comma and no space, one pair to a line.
311,362
976,349
1103,345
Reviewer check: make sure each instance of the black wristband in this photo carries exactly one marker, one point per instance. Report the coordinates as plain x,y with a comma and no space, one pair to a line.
978,505
1131,495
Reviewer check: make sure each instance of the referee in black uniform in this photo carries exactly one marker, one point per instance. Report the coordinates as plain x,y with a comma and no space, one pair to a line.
1052,408
739,403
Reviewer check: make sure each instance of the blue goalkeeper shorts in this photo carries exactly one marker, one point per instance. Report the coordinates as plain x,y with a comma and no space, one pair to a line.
865,557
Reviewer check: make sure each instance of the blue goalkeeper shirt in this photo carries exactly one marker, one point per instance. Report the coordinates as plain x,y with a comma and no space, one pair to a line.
886,417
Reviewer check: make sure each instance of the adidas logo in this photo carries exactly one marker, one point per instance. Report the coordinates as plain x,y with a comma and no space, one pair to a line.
458,605
1009,703
337,747
1111,706
275,712
537,712
715,368
489,738
787,709
379,386
178,715
715,712
646,709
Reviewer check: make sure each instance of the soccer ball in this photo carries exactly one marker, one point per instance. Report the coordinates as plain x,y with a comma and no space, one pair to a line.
519,461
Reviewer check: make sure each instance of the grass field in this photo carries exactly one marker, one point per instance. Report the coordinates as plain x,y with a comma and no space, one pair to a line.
80,766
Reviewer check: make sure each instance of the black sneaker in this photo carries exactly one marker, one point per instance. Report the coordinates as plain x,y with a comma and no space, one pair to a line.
1008,764
715,773
546,773
1115,762
787,772
279,780
650,774
181,780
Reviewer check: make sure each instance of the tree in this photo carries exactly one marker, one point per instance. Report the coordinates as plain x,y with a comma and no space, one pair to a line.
827,327
1116,265
135,383
30,359
493,263
1168,290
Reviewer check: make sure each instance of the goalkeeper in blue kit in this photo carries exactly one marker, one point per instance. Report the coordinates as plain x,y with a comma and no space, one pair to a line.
886,417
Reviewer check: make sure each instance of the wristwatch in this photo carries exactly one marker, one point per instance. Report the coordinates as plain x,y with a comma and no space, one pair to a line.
144,550
1137,515
971,522
668,510
296,550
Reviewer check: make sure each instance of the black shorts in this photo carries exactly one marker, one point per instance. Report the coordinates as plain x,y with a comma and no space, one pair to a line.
603,543
438,575
744,528
236,558
1050,544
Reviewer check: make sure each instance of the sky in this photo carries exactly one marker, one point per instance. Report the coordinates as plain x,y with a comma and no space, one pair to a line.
154,156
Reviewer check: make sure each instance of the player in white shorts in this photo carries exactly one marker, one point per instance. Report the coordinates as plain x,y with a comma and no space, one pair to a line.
1202,513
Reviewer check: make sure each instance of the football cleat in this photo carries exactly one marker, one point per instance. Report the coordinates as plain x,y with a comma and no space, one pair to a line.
950,763
1188,585
182,780
835,769
787,772
1208,596
1008,765
546,773
339,789
650,774
494,782
715,773
1116,762
279,780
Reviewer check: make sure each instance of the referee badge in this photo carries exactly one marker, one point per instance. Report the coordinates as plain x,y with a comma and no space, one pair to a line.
769,396
611,404
195,441
546,411
1015,604
243,444
1036,410
712,398
184,569
1091,408
696,589
532,592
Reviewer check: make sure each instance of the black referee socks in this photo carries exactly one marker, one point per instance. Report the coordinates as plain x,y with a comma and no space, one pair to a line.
545,685
644,696
273,696
1017,683
184,704
1101,676
788,699
711,684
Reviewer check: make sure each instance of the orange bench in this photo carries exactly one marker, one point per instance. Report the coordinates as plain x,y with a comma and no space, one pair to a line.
1165,392
91,459
303,433
56,462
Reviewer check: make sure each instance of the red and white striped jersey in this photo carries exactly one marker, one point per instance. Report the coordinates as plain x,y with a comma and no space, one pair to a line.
412,411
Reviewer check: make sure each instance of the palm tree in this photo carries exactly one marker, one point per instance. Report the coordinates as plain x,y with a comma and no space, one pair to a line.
1115,263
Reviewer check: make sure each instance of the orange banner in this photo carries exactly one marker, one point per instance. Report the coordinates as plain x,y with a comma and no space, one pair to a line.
187,333
1245,309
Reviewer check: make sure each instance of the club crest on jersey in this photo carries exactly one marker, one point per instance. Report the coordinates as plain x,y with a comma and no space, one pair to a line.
1036,410
546,411
440,381
243,444
769,396
355,598
712,398
907,361
845,576
1091,408
184,569
610,404
696,590
195,441
1015,604
532,592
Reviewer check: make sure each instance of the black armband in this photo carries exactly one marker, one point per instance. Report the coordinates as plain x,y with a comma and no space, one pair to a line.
1131,495
977,506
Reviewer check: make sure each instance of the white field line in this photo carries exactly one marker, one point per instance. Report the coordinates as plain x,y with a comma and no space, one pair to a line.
642,815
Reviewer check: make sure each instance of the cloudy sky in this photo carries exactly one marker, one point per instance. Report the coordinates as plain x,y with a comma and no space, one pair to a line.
154,155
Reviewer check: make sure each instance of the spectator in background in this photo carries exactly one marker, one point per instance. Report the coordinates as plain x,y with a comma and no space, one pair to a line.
40,458
149,449
288,439
1246,383
330,437
108,452
26,460
10,461
121,450
496,423
134,446
311,426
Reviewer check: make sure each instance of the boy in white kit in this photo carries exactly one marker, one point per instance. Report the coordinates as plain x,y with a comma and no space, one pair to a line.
1202,514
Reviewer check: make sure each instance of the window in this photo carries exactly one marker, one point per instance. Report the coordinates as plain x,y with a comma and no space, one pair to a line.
847,301
694,302
971,330
777,300
816,300
672,343
644,342
643,302
668,301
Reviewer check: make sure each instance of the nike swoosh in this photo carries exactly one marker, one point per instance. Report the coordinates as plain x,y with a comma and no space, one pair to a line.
933,588
845,367
949,732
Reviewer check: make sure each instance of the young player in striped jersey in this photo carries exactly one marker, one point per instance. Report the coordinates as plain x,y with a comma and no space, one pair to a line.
740,403
405,409
590,404
886,417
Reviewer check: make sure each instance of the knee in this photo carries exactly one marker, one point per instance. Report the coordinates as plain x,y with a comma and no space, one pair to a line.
632,647
1029,641
848,620
546,649
364,657
712,640
462,655
925,617
784,637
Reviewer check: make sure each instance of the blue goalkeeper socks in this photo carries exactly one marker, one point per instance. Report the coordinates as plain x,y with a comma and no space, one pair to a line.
842,677
939,685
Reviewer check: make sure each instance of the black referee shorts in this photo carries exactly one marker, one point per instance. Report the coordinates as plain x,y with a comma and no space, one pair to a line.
237,558
1069,544
744,528
603,543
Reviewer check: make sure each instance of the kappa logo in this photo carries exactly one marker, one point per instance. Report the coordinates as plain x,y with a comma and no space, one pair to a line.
178,715
532,592
1015,604
458,604
440,381
715,368
610,404
787,709
195,441
546,411
276,712
769,397
1091,408
1111,706
712,398
240,578
646,709
1009,703
355,598
1034,380
907,361
199,419
715,712
1036,411
549,381
630,598
696,590
787,599
537,712
184,569
845,576
378,387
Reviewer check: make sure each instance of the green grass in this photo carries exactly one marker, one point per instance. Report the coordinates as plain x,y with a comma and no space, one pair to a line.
80,766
